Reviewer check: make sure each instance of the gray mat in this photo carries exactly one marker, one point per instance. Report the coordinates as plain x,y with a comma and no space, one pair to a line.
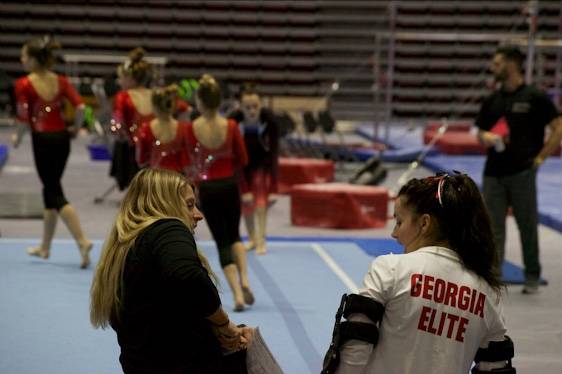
21,205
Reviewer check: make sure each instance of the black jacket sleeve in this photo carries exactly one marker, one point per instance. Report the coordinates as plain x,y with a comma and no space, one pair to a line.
175,252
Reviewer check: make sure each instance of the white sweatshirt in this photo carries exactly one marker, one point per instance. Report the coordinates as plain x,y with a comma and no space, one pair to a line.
437,315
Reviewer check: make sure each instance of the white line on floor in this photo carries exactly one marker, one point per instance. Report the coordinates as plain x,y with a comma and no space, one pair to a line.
334,266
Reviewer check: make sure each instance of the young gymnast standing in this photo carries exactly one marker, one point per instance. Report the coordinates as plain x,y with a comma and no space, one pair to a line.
39,97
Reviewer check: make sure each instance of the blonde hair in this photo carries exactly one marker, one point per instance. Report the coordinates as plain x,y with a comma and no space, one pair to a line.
153,194
164,99
209,92
137,67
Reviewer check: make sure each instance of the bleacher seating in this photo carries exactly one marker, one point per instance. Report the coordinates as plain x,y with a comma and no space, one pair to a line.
436,78
296,47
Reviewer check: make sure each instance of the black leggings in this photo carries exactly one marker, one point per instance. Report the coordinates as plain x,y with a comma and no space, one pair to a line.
50,152
220,204
123,164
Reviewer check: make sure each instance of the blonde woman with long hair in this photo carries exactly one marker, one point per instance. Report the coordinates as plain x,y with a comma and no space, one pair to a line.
155,289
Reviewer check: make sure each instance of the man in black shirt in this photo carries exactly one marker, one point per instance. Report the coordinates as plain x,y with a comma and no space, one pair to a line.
511,123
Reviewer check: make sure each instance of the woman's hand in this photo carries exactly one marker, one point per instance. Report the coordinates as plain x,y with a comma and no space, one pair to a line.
17,136
248,335
231,337
489,139
538,161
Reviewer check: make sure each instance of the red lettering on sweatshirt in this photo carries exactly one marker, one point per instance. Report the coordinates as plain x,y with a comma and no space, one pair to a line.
448,293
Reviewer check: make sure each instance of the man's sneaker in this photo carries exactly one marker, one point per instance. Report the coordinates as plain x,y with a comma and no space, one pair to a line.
531,287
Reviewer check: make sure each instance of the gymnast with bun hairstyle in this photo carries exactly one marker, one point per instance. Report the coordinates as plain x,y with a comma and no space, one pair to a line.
161,141
217,155
40,98
132,105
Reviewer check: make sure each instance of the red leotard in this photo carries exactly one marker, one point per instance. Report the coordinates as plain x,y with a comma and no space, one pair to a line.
171,155
217,163
40,114
126,116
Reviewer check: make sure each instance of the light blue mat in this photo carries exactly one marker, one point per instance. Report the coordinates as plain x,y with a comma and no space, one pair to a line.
549,182
45,303
511,273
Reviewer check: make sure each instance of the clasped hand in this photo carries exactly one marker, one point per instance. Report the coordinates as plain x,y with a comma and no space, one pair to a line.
234,338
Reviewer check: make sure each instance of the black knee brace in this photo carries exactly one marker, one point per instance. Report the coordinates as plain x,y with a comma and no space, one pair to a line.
344,331
496,352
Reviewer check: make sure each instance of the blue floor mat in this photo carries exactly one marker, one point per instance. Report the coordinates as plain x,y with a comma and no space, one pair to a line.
4,151
399,136
391,154
44,303
511,273
549,182
404,145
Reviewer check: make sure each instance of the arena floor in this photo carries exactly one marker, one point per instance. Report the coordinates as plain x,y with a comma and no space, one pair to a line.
44,308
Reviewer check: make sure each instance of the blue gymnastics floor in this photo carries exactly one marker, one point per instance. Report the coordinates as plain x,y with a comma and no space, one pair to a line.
4,151
44,305
549,180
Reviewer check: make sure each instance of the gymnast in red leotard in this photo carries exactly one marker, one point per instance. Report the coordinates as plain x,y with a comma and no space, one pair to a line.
217,155
131,106
39,98
161,141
